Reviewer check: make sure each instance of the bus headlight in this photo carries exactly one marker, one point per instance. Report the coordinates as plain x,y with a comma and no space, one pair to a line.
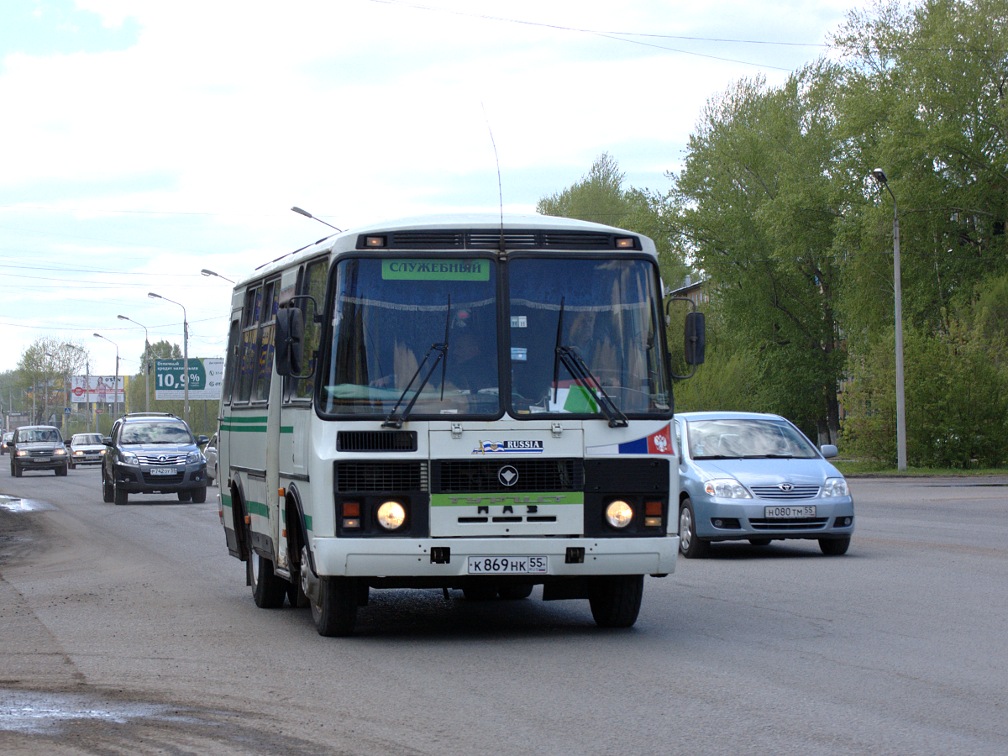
391,515
619,514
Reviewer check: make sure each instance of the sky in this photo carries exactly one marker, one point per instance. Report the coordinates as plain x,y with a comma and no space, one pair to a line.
142,141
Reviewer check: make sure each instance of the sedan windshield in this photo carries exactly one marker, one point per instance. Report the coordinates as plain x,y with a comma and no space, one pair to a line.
747,439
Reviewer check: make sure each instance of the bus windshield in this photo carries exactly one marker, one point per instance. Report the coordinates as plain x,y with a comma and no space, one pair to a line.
606,314
427,334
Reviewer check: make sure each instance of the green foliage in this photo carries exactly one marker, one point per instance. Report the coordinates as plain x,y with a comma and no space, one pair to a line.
600,197
757,205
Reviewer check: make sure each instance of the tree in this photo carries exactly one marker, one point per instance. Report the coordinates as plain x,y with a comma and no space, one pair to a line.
757,205
924,96
600,197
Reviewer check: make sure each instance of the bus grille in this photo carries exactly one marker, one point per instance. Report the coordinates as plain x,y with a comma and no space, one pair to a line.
479,476
376,441
377,477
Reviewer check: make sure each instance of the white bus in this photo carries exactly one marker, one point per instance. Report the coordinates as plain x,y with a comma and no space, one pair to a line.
472,404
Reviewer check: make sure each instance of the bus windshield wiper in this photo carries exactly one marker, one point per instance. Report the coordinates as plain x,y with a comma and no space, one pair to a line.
441,348
580,371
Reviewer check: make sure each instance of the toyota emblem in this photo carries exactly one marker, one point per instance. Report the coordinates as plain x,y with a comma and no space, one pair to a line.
785,486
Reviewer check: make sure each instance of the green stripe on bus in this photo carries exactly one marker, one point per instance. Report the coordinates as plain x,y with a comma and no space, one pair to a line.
517,499
257,508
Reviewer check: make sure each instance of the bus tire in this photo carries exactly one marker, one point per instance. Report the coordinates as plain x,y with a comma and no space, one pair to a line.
268,590
615,600
335,612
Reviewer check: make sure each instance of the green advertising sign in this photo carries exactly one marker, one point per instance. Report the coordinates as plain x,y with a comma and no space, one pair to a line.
204,378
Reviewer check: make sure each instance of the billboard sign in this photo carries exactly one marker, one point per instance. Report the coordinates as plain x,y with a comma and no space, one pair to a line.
206,376
102,389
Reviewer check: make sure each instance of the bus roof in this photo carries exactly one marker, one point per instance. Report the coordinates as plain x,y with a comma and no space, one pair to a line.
485,222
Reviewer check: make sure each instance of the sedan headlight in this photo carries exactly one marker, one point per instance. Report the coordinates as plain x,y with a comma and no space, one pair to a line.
834,487
726,488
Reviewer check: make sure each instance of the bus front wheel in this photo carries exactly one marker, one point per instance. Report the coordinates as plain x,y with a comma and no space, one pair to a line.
615,600
335,609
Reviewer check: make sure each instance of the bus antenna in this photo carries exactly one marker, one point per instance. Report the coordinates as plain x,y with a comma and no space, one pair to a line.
306,214
500,190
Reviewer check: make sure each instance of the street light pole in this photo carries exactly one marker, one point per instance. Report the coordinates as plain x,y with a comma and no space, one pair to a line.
208,272
901,454
185,353
146,361
115,388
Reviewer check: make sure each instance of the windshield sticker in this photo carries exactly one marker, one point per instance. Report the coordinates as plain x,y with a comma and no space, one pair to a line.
519,321
435,270
509,447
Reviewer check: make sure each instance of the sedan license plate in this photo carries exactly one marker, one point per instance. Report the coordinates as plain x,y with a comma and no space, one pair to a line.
789,512
508,565
162,471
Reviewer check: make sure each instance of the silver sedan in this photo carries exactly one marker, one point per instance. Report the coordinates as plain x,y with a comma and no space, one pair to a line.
756,477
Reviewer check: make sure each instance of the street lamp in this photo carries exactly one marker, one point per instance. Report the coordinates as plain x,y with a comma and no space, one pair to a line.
115,389
185,353
146,360
208,272
901,455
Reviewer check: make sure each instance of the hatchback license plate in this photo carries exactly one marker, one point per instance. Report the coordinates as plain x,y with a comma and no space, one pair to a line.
788,512
162,471
508,565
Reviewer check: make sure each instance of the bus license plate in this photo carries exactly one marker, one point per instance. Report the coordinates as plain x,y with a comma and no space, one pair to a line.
508,565
162,471
789,512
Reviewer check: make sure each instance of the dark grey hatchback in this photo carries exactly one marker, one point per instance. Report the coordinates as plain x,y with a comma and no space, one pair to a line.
153,453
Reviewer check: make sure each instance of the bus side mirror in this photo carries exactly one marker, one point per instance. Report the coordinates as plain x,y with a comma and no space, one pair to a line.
695,338
289,341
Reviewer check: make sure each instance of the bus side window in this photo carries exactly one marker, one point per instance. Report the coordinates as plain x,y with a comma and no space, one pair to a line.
264,343
250,330
231,363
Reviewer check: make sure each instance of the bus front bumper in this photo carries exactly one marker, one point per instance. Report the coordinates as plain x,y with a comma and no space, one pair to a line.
457,557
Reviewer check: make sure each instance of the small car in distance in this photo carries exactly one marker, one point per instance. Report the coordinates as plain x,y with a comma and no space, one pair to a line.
6,440
37,447
86,449
756,477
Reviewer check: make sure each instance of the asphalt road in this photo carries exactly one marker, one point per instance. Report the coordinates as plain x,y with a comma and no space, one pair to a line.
130,630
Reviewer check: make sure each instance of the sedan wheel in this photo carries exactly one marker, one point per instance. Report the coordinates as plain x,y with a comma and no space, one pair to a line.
690,546
834,546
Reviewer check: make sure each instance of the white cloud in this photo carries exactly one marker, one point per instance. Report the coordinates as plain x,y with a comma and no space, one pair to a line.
185,146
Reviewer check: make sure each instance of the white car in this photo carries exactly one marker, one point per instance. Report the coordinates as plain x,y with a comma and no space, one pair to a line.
86,449
210,452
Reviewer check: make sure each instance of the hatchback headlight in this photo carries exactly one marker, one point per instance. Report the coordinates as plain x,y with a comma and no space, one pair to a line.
834,487
726,488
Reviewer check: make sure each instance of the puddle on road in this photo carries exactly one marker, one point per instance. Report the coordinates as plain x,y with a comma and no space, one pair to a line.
45,713
24,505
